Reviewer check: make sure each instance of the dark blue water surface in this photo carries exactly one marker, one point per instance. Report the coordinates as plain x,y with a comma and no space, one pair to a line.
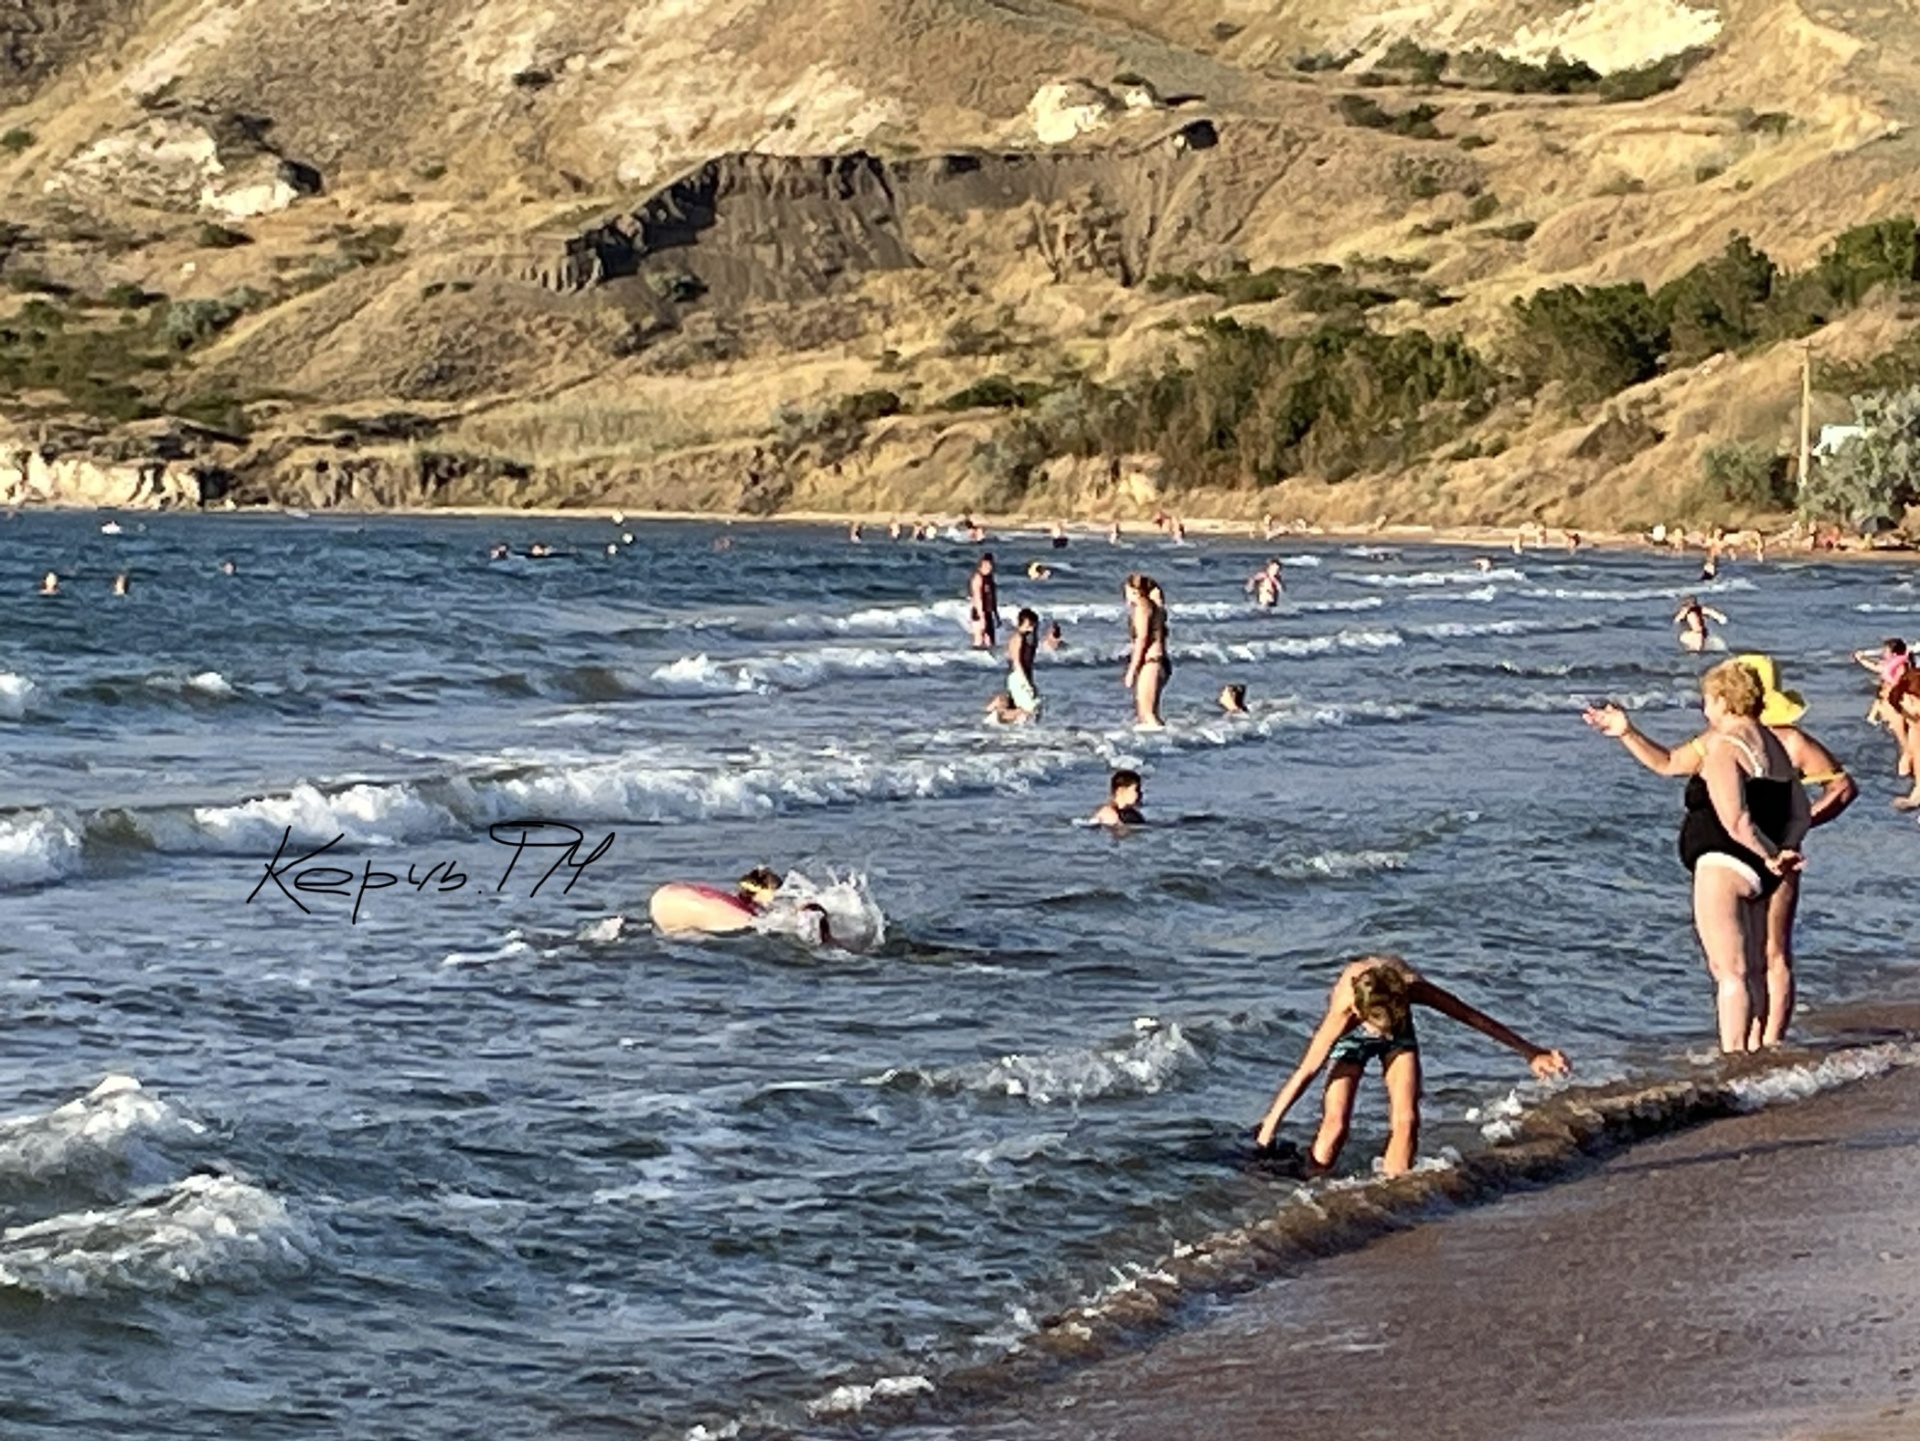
491,1162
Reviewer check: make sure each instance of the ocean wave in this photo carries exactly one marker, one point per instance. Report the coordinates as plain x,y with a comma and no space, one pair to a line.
1467,630
1727,586
699,674
1296,647
1420,579
199,1231
208,684
1150,1062
38,847
16,694
88,1137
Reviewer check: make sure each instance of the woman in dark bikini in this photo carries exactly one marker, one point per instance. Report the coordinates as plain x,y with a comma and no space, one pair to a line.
1746,817
1149,664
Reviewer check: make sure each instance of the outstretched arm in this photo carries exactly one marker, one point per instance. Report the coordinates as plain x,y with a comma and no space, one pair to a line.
1335,1024
1610,720
1818,766
1542,1061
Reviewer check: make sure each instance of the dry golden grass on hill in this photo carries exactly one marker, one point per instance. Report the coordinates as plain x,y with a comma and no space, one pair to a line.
516,252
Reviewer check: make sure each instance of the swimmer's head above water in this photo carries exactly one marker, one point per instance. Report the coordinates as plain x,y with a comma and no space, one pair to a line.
1233,699
759,885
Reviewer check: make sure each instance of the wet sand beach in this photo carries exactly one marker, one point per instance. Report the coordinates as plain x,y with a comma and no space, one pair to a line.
1755,1277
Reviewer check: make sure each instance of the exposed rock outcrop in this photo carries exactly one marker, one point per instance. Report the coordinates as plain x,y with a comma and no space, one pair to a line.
189,160
31,477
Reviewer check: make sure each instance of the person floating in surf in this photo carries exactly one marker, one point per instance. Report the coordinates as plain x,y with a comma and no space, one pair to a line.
1266,585
1692,618
1233,699
1054,640
983,602
682,908
1370,1017
1124,794
1002,711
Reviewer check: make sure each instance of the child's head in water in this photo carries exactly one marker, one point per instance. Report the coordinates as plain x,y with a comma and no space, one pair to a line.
1233,699
759,885
1124,790
1380,997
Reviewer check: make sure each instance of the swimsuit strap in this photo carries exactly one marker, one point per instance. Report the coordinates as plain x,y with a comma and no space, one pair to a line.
1759,765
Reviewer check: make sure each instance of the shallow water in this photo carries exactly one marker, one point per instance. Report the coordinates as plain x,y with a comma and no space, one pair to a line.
490,1161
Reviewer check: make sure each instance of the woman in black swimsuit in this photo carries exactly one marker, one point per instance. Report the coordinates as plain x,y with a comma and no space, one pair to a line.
1149,665
1746,817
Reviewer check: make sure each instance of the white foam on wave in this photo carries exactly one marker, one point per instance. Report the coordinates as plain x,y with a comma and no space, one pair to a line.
512,946
87,1135
198,1231
851,1400
1468,630
38,847
1786,1084
16,694
934,618
1296,647
1341,864
853,918
1423,578
1151,1061
799,669
367,815
1658,592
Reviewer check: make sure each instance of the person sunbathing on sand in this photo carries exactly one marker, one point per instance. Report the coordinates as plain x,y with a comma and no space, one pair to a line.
1369,1016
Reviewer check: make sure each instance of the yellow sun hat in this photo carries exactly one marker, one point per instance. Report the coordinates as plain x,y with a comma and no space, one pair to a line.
1782,707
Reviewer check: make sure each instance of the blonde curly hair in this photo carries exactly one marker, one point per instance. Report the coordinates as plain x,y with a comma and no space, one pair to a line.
1737,687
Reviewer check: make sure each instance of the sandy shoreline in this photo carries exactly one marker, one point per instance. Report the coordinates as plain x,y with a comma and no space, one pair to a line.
1491,537
1754,1277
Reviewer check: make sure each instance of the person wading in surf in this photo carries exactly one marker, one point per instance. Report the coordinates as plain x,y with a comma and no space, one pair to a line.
1370,1016
1780,713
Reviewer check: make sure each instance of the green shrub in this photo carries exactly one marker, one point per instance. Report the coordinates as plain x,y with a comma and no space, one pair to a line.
185,324
1720,304
1872,481
868,405
995,392
220,237
16,141
1518,231
1473,142
1746,477
1591,340
1897,368
1482,207
1369,114
1556,75
1423,67
1767,122
1886,252
1643,81
1323,60
375,245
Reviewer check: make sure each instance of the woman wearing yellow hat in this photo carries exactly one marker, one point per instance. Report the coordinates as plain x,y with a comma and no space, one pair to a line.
1780,713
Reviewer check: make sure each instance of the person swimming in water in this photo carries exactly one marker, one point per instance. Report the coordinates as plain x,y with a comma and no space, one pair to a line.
1021,648
1037,571
1266,585
121,585
1888,664
1233,699
1057,535
983,602
1370,1017
1002,711
50,583
687,908
1692,618
1149,662
1054,640
1124,794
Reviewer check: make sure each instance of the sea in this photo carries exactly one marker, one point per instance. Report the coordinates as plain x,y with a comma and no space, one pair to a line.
349,1093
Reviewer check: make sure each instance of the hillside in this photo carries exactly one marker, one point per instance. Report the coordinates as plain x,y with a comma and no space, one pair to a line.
923,255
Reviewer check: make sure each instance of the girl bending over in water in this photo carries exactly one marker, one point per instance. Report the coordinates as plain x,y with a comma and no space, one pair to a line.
1370,1015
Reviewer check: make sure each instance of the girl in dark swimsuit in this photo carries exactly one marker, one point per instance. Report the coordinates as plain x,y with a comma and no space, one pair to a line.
1746,817
1149,664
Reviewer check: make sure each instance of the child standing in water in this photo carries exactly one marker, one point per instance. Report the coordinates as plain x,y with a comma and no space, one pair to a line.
1370,1016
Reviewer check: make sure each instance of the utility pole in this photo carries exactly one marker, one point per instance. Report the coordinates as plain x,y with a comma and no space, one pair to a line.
1806,412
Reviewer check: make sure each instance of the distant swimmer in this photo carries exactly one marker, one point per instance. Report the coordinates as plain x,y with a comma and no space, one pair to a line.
1037,571
983,604
121,585
1905,699
227,567
1266,526
893,529
540,550
1266,585
1710,567
1149,661
683,908
853,533
1370,1017
1113,533
112,527
626,537
1054,640
1233,699
1482,563
1834,791
1021,646
1692,618
613,548
1573,542
1057,534
50,583
498,551
723,542
1124,794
